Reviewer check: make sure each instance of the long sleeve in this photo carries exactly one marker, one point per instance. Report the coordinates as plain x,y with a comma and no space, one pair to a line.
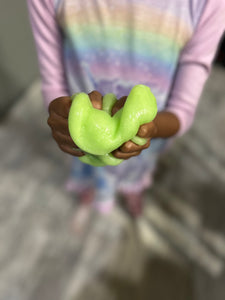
195,64
48,39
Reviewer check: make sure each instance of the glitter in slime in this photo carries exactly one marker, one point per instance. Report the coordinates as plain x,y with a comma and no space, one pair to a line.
97,133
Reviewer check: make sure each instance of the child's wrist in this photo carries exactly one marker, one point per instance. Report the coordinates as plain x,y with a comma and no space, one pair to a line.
166,124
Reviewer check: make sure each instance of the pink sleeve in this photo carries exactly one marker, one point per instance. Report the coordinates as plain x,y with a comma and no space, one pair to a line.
48,39
195,64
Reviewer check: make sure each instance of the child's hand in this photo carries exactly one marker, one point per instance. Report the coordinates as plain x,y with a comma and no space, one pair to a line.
129,148
58,121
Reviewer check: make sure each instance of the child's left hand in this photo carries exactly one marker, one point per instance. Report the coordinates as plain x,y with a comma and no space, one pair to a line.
129,148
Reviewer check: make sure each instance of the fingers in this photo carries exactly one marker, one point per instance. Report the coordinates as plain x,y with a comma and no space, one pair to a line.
122,155
59,110
58,123
60,106
118,105
73,151
96,99
130,147
147,130
63,139
66,144
60,133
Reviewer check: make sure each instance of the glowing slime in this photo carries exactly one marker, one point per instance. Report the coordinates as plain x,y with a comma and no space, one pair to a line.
98,133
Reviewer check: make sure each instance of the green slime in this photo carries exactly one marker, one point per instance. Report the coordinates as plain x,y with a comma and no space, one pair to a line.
97,133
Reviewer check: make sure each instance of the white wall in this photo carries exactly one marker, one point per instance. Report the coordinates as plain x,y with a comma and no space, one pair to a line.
18,63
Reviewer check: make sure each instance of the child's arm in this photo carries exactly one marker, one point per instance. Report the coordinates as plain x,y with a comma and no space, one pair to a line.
49,41
195,64
192,72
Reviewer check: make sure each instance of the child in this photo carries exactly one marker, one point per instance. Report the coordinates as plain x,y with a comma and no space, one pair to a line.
105,46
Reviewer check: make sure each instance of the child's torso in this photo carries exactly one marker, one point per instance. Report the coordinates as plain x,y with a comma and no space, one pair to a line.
111,45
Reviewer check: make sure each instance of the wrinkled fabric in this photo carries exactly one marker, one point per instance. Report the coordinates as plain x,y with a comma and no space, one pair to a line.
110,46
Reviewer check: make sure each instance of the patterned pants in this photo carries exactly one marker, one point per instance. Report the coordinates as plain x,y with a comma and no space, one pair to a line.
131,176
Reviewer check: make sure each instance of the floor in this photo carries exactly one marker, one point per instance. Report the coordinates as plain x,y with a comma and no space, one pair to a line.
175,251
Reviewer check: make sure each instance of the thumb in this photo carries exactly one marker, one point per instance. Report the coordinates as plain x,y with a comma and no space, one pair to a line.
118,105
60,106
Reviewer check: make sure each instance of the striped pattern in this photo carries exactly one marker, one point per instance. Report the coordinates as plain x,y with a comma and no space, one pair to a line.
118,45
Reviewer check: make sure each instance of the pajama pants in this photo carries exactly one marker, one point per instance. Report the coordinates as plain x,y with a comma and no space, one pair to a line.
131,176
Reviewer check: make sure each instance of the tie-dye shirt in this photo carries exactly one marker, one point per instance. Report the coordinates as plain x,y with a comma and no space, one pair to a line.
112,45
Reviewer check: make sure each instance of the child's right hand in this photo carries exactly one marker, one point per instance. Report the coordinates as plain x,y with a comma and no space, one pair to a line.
58,121
129,148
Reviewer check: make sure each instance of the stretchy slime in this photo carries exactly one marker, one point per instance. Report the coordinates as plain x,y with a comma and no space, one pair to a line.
97,133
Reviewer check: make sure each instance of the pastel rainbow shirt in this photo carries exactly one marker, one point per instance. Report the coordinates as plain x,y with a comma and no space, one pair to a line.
112,45
116,44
